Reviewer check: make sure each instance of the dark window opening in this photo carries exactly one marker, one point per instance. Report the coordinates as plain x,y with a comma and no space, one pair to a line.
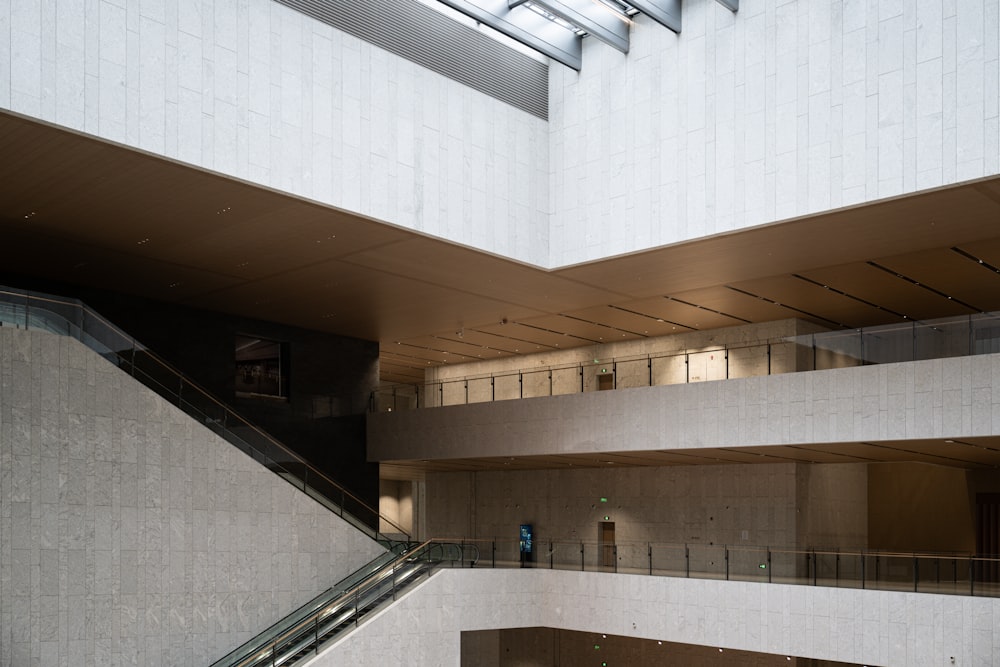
260,369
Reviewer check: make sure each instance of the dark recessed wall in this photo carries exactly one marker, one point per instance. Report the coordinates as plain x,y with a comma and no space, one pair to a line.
330,378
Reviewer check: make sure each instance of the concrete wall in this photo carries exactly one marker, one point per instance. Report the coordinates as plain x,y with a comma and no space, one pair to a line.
131,535
725,504
939,398
778,505
396,505
255,90
920,507
858,626
832,503
779,110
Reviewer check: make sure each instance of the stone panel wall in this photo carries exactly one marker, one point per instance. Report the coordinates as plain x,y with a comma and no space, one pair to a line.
131,535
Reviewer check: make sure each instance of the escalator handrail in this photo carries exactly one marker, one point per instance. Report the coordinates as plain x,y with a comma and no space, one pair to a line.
350,596
324,598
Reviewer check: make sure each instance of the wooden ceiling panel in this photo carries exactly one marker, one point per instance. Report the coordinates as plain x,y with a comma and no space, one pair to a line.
951,273
492,342
517,331
679,316
459,349
737,304
626,319
485,275
883,289
986,250
807,297
592,332
955,452
857,450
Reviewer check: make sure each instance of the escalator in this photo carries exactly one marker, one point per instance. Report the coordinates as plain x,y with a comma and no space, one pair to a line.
329,616
71,317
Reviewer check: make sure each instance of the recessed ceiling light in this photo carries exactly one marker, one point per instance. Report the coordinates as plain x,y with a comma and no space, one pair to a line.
142,241
224,210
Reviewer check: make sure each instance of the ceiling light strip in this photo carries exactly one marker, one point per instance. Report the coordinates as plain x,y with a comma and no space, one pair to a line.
785,305
516,339
706,308
981,262
850,296
658,320
603,326
557,333
917,283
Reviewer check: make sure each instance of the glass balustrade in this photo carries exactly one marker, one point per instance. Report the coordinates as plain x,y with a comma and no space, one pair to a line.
958,574
893,343
344,606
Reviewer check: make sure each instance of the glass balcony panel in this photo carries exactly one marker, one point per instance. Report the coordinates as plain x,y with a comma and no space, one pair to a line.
707,561
985,333
839,349
748,564
669,560
535,383
707,366
789,357
453,392
633,373
633,558
888,345
670,369
480,390
507,387
748,361
986,575
945,575
941,339
566,381
789,566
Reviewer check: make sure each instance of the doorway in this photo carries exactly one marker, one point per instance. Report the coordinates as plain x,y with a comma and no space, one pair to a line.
606,551
605,381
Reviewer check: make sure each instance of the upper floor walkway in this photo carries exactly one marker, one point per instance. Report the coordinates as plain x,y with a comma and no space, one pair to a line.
920,392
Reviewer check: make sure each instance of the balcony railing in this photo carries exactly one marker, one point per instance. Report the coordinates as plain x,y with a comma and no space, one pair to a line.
911,341
945,573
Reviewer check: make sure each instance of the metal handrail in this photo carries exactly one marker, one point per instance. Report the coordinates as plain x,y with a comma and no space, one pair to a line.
33,302
421,557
